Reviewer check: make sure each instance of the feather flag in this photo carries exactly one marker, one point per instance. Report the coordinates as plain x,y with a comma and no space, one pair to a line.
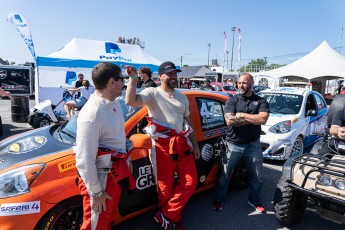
224,43
23,28
239,44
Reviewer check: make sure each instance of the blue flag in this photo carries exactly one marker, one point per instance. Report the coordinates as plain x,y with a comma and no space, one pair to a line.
22,26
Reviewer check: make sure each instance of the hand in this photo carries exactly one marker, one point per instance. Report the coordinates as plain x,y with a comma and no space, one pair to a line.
99,203
341,133
130,70
196,152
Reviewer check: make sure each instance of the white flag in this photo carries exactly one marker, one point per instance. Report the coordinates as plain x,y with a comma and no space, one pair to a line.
22,26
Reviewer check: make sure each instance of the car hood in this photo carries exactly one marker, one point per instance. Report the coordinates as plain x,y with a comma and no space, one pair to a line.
275,118
29,145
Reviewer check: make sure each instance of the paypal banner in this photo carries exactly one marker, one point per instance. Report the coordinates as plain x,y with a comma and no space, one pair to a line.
22,26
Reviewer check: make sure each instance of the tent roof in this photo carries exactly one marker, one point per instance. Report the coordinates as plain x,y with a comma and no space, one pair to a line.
322,61
194,71
83,53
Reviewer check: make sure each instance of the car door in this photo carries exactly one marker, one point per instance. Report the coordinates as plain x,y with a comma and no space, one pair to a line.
209,124
316,124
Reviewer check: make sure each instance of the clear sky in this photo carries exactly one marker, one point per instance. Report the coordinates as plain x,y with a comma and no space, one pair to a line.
282,31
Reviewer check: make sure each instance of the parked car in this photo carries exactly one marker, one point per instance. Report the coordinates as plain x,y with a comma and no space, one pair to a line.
38,176
295,116
258,88
224,87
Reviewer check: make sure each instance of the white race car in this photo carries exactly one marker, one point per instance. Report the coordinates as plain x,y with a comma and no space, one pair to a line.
296,116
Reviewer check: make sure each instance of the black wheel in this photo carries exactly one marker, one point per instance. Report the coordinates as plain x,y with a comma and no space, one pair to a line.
289,204
31,119
40,121
297,147
240,175
66,215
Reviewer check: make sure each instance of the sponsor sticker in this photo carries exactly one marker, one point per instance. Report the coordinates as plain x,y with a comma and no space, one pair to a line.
146,178
14,209
67,165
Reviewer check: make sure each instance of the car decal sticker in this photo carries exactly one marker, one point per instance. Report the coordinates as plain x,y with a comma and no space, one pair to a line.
25,145
220,131
13,209
207,152
67,165
145,178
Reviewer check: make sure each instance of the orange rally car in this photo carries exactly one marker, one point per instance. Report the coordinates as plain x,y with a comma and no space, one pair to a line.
38,175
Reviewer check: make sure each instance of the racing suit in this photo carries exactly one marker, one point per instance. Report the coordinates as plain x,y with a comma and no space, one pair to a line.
171,153
101,158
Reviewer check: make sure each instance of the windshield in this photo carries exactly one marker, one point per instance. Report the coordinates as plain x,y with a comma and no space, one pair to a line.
70,128
283,103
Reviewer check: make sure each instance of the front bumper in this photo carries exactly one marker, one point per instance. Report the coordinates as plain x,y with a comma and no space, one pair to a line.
277,146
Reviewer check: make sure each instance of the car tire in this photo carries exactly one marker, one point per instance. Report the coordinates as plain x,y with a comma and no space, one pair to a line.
298,147
289,204
240,175
66,213
40,121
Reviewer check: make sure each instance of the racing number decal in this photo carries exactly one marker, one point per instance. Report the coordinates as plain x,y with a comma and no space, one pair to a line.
204,111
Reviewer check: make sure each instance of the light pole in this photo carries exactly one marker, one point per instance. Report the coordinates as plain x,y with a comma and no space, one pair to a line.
182,58
208,59
232,48
227,60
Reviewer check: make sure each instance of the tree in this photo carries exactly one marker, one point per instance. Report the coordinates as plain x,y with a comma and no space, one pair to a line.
258,65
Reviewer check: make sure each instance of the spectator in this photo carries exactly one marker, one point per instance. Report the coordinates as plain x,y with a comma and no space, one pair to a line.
145,74
207,86
78,84
171,152
86,90
244,114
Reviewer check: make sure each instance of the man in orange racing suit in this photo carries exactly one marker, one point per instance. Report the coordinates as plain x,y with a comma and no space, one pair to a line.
101,149
169,126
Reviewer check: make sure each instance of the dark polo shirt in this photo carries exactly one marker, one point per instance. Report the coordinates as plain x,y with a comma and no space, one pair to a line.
251,105
148,83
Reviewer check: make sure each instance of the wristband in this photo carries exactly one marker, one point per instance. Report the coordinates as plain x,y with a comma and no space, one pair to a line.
133,77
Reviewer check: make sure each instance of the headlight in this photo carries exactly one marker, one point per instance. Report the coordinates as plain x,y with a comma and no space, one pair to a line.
340,184
17,181
281,127
325,180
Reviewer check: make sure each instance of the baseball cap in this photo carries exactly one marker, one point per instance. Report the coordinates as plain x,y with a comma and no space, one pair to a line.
167,67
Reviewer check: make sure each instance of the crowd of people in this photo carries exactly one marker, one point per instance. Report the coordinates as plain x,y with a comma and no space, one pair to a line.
102,145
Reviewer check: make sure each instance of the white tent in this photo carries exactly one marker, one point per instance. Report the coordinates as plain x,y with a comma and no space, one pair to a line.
60,69
322,63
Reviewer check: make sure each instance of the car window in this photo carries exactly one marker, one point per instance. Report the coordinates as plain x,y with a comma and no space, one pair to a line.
310,104
319,102
211,113
283,103
229,88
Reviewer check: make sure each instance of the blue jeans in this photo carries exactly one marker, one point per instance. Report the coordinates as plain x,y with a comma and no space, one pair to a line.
252,154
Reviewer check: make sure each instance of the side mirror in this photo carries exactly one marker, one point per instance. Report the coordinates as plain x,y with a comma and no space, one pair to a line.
312,112
141,141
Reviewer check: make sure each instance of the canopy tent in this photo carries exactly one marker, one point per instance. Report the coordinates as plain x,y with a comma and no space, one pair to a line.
60,69
323,63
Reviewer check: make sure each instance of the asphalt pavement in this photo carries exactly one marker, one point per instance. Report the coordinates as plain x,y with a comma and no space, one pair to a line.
10,127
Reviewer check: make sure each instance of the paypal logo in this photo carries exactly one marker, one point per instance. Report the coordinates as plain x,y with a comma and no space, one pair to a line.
112,48
18,18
